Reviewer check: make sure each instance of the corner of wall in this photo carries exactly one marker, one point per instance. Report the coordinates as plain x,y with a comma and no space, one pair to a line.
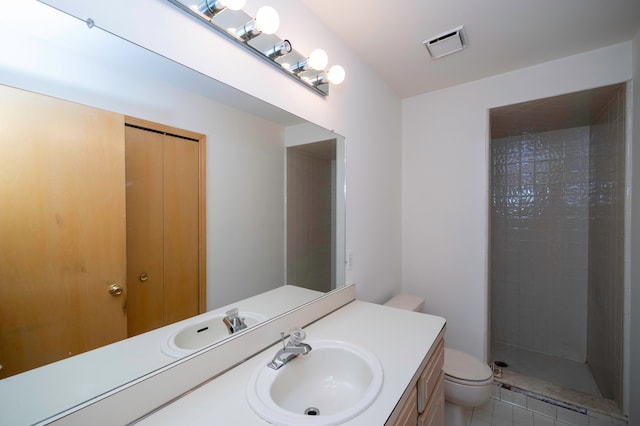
634,305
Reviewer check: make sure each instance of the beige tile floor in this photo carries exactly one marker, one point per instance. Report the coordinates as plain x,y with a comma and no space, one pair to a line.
515,408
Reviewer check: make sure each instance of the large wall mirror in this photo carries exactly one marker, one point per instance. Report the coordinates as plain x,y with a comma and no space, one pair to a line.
274,205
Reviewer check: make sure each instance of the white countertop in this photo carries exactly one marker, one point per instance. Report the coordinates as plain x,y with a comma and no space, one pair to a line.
37,394
400,339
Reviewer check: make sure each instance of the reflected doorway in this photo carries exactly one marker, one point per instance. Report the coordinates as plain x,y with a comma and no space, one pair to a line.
310,212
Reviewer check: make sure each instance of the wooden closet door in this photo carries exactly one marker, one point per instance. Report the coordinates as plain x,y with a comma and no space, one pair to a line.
162,229
181,175
62,229
145,225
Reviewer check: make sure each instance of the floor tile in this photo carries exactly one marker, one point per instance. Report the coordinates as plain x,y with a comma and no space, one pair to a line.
541,407
484,413
619,422
600,421
572,417
499,422
519,399
502,413
542,420
506,395
522,417
478,422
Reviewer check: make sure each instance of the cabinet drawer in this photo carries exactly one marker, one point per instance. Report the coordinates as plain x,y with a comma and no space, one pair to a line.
409,412
429,377
433,414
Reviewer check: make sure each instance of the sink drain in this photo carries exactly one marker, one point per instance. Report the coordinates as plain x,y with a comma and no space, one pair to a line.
312,411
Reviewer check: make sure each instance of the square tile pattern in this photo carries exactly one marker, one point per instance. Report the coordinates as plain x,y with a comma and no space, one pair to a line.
558,233
512,408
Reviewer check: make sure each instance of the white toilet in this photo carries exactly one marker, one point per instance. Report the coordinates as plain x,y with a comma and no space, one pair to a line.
467,380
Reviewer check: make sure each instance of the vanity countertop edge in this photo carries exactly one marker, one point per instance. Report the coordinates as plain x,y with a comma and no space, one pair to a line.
400,339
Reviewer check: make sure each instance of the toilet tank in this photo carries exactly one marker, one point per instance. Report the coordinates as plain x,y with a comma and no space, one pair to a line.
407,302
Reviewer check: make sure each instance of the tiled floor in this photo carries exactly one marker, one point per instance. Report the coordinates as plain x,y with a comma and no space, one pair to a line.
562,372
507,408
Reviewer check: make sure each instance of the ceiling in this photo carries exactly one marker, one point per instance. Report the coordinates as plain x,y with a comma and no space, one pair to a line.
502,35
558,112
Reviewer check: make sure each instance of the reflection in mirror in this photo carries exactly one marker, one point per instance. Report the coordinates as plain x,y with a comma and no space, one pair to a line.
315,251
241,28
56,57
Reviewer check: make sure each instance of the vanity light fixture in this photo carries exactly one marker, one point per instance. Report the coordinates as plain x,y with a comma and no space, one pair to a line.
336,74
298,67
257,34
279,49
266,21
211,8
316,80
317,60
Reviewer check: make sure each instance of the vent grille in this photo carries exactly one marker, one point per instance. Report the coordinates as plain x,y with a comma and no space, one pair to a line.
446,43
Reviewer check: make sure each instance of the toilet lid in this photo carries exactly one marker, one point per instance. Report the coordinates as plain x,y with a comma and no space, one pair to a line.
463,366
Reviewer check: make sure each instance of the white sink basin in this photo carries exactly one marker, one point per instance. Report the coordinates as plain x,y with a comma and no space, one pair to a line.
201,332
335,382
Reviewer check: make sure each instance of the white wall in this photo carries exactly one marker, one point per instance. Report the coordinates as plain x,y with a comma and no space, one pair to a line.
363,109
445,174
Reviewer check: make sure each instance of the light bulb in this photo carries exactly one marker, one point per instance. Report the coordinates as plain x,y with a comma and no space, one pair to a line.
336,74
318,59
267,20
233,4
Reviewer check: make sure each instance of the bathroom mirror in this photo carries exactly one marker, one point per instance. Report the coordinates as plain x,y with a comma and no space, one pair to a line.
57,55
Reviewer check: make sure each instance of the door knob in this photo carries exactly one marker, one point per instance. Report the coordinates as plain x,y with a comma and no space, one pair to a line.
143,277
115,290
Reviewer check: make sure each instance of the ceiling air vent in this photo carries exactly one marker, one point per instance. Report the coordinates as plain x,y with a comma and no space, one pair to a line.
446,43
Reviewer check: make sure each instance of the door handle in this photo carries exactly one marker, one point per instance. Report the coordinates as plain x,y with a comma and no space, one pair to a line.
115,290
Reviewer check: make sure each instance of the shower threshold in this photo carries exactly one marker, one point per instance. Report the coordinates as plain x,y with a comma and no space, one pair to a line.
557,395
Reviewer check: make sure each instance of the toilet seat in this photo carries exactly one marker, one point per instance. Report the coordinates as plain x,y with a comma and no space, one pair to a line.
460,367
469,383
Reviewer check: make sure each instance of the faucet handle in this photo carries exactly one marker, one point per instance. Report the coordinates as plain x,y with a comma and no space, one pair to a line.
296,336
232,313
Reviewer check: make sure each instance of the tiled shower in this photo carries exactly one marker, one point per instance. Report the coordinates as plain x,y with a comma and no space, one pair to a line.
557,238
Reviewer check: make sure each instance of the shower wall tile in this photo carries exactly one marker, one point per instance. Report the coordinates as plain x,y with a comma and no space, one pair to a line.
606,243
539,227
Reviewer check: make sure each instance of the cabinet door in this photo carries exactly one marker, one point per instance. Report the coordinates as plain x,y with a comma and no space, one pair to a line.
433,414
181,192
145,260
430,375
62,229
162,228
409,412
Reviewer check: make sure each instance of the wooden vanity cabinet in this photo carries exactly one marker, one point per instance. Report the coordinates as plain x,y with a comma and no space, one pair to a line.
408,412
423,401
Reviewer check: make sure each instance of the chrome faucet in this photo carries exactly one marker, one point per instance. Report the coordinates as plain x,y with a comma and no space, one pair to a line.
290,350
233,321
